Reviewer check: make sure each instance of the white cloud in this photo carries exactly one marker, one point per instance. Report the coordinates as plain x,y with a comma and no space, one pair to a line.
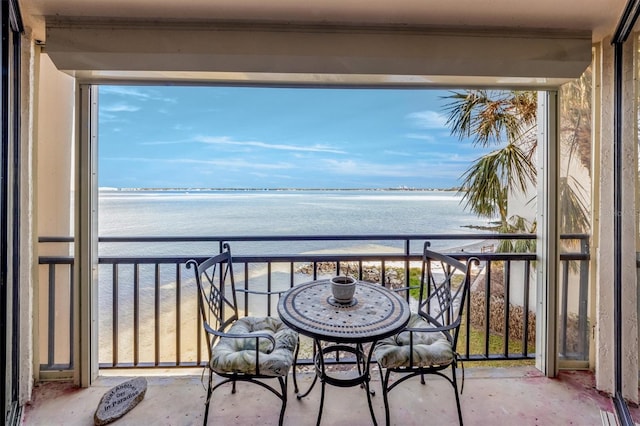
271,176
182,127
105,117
232,163
242,164
124,91
174,142
451,157
144,95
119,108
420,136
225,140
428,119
425,169
400,153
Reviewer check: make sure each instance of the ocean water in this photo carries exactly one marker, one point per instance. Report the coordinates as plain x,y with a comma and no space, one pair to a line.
242,213
274,213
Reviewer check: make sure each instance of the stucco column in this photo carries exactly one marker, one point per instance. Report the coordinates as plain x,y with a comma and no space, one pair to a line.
603,226
27,225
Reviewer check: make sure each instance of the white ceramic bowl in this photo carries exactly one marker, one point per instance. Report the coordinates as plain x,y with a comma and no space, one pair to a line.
343,288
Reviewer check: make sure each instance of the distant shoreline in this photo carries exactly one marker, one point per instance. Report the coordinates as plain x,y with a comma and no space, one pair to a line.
401,189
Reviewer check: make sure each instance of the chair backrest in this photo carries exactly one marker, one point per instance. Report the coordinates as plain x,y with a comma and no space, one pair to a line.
216,291
444,289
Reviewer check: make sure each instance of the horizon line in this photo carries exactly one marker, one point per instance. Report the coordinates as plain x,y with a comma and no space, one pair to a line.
402,188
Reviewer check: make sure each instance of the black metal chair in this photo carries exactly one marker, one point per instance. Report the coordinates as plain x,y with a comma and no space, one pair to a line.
428,344
248,349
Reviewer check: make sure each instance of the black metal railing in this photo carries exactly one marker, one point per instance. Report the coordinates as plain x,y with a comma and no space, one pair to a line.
147,303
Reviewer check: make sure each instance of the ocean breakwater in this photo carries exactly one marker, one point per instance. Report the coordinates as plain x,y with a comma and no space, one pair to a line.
393,275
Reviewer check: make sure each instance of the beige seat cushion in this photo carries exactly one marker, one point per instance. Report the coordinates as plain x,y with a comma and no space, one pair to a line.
429,348
239,355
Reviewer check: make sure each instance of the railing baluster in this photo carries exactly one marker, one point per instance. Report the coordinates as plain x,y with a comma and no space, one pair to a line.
136,314
487,309
507,298
269,289
156,313
291,275
383,273
178,313
246,287
564,313
114,313
71,317
525,303
199,337
51,336
407,266
583,300
467,326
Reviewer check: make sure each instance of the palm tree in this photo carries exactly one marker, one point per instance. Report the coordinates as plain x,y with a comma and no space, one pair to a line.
575,137
506,118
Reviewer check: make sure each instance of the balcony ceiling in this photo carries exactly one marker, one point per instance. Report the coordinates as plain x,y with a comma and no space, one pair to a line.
598,16
539,43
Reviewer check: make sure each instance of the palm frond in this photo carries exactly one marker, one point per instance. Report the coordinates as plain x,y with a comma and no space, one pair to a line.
574,215
484,192
490,117
461,111
517,224
487,182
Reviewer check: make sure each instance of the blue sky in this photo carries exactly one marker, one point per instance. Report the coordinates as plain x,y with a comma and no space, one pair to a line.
247,137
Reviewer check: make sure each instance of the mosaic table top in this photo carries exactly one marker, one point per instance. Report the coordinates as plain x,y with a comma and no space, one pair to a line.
374,313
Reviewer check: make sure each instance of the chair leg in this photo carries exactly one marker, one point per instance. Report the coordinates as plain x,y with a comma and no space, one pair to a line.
385,395
321,403
233,387
283,387
454,382
295,363
209,392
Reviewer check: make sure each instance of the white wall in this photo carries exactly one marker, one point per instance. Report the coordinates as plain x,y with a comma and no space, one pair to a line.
54,213
56,99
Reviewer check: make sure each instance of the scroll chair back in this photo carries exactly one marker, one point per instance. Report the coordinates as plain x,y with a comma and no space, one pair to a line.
445,284
217,301
240,349
428,344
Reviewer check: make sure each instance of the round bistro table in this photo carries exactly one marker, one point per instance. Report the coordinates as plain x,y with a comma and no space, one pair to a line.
374,313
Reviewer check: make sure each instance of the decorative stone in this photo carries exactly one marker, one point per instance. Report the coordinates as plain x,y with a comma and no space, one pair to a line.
119,400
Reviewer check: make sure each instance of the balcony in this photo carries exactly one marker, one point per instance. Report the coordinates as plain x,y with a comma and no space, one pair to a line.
147,327
147,304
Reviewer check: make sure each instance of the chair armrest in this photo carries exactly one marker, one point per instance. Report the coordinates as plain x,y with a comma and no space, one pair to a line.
264,293
399,289
426,329
256,336
433,328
